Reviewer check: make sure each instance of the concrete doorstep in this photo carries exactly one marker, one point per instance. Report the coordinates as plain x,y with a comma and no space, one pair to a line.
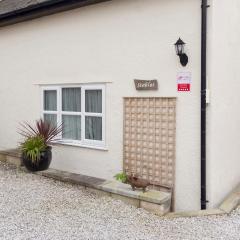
157,202
231,202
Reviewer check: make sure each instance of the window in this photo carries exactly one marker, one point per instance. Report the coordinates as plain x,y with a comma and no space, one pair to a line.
81,110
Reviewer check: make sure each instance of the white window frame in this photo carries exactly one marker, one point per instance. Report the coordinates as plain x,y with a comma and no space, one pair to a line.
83,142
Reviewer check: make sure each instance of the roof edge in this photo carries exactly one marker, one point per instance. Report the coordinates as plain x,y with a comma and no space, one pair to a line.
43,9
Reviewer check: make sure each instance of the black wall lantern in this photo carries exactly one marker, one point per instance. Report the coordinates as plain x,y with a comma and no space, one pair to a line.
179,45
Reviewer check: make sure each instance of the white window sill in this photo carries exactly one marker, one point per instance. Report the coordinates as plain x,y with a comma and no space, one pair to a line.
60,142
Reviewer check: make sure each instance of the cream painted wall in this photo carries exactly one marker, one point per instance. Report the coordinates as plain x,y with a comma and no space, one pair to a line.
112,42
223,111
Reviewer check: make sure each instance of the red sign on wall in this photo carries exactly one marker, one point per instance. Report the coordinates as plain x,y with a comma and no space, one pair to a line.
184,82
184,87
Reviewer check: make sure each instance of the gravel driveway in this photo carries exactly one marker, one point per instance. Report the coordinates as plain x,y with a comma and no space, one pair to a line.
34,207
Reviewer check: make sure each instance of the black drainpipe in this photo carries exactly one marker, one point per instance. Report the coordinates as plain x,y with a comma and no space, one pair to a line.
203,103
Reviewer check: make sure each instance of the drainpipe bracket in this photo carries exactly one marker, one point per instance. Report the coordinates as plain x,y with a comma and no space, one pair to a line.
206,6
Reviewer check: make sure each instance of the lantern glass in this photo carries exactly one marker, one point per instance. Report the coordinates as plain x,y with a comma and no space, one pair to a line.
180,49
179,45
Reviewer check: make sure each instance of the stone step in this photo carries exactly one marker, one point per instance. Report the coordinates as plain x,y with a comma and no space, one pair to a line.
157,202
11,156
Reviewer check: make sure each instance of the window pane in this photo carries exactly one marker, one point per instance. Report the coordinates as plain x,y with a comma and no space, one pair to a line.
51,118
93,101
93,128
71,99
71,127
50,100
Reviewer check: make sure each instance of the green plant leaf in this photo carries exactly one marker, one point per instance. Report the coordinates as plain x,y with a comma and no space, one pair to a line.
32,147
121,177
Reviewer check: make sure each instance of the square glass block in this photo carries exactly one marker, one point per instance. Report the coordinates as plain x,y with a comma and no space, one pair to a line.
71,127
93,101
71,99
50,100
93,128
51,118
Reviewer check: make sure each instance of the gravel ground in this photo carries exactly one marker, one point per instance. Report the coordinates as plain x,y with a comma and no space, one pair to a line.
34,207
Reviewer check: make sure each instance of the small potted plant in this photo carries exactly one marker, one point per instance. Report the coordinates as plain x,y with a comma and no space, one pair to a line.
36,149
121,177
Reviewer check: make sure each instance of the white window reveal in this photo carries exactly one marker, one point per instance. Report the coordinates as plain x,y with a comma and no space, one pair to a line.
81,110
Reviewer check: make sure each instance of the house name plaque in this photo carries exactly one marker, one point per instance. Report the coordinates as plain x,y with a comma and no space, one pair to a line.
146,84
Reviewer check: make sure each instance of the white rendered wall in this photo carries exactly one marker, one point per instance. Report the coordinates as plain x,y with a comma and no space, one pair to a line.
113,42
224,109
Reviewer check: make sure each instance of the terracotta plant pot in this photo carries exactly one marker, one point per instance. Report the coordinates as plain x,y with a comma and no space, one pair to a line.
42,164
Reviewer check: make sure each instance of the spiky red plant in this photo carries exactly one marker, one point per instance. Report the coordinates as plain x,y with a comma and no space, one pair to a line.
45,129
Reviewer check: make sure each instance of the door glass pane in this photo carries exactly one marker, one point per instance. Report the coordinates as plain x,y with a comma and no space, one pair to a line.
93,128
71,127
51,118
50,100
71,99
93,101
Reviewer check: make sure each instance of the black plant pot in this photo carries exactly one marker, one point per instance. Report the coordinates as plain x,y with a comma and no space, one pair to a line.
42,164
